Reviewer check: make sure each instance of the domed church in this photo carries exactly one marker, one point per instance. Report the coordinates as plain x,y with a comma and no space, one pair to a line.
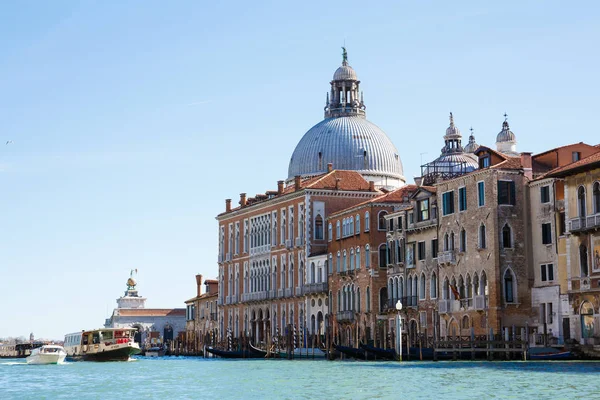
346,139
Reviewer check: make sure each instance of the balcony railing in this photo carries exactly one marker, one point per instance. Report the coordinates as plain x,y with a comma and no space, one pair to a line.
584,223
299,241
228,256
407,301
395,269
311,288
447,257
422,224
288,292
448,306
480,302
220,258
345,316
298,291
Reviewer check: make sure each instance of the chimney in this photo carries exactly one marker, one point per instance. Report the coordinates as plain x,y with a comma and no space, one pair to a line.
227,205
418,180
279,187
243,199
199,283
297,183
329,167
371,186
526,163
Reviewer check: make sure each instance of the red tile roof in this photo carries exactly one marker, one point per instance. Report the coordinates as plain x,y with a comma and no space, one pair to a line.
484,148
151,312
578,166
509,163
395,196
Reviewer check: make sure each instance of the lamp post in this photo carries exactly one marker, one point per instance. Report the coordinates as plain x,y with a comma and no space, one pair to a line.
399,330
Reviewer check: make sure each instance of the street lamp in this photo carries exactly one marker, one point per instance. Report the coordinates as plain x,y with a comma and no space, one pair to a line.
399,330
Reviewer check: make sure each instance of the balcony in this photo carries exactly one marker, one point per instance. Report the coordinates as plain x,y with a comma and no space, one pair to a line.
220,301
395,269
581,224
280,293
228,256
448,306
345,316
288,243
299,241
480,302
220,258
257,250
407,301
416,226
288,292
447,257
298,291
314,288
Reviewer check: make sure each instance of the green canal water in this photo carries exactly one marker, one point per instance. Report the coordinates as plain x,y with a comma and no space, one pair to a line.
198,378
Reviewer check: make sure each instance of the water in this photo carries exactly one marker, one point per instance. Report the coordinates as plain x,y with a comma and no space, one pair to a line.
198,378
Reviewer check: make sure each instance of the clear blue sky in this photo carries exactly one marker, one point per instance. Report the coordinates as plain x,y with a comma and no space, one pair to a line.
132,121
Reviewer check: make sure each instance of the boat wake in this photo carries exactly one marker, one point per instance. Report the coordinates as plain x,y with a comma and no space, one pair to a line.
14,363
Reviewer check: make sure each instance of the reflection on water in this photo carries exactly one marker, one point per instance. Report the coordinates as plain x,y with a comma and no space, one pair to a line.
193,378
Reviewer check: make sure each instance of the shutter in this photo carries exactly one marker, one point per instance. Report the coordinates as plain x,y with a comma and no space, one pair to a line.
512,194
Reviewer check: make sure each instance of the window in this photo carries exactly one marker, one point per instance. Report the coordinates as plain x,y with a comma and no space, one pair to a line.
506,237
338,233
484,161
434,248
367,256
345,264
421,250
330,265
547,272
433,286
358,258
357,224
381,220
463,240
329,232
482,243
367,221
383,256
448,203
545,194
391,224
368,300
546,233
506,193
562,224
423,209
351,227
422,285
351,259
581,201
575,156
596,194
339,262
462,199
583,260
399,227
508,287
318,227
481,193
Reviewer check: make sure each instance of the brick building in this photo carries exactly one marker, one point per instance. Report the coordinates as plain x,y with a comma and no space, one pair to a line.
201,316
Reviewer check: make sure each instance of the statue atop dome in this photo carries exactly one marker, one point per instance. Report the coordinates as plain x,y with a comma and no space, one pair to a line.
344,56
131,282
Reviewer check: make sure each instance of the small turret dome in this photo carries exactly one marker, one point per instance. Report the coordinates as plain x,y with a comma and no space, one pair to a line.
506,134
345,73
472,145
506,141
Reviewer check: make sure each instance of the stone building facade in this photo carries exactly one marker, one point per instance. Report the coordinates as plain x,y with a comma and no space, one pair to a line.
201,316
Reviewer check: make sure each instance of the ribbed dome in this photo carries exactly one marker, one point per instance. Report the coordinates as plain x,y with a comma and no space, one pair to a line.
345,73
459,163
506,134
471,146
349,143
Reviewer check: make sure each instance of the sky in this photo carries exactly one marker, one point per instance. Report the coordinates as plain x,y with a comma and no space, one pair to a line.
132,121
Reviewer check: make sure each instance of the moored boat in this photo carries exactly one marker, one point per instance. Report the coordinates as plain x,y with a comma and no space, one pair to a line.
303,353
548,353
249,352
379,353
47,354
354,352
106,344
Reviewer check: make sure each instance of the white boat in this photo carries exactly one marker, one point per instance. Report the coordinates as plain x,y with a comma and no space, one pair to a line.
155,352
105,344
47,354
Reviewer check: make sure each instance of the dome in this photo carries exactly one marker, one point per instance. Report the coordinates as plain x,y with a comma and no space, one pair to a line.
345,73
452,129
472,145
349,143
506,134
453,164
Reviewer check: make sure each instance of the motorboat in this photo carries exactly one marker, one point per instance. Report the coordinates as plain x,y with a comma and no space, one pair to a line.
155,351
105,344
47,354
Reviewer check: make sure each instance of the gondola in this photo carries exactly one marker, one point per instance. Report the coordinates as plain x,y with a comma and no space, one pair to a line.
379,353
354,352
548,353
250,352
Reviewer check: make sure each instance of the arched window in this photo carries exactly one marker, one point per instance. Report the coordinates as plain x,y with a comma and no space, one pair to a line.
351,259
381,221
329,232
482,236
409,291
581,201
451,240
330,264
357,299
383,253
469,289
415,289
596,198
367,256
422,287
358,258
433,286
357,224
351,227
509,286
506,237
337,230
446,242
465,322
401,287
461,287
583,260
339,262
475,284
446,289
312,272
345,263
463,240
368,300
367,221
340,304
318,227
